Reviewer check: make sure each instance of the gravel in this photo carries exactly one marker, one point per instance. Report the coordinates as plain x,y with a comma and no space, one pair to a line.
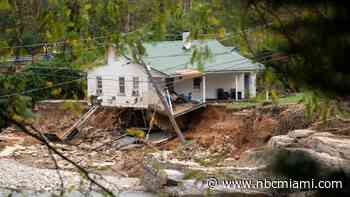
20,177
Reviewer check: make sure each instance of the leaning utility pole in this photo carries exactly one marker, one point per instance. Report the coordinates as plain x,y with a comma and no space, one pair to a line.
164,103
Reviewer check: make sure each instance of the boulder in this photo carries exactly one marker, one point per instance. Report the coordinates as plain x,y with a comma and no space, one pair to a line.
301,133
310,140
281,141
332,145
331,152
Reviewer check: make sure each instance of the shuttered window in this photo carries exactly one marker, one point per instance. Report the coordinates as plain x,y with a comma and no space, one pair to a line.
99,85
136,86
122,85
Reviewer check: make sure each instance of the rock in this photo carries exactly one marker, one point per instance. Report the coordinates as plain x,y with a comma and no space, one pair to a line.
330,152
179,178
281,141
323,143
154,178
17,176
174,175
103,164
301,133
332,145
10,150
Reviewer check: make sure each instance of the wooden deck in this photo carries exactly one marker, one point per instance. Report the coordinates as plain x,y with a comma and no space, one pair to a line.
182,109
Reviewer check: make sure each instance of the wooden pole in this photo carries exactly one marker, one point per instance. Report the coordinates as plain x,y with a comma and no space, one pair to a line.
169,101
164,103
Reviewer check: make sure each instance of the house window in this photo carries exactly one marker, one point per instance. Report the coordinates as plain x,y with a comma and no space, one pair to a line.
99,85
197,83
136,85
122,85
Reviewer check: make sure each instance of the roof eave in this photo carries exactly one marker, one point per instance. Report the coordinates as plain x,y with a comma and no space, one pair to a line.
230,71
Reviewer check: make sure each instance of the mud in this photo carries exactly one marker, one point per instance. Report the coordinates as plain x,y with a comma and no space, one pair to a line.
213,132
231,133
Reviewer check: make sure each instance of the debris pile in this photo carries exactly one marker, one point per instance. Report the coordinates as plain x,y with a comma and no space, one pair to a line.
24,177
91,151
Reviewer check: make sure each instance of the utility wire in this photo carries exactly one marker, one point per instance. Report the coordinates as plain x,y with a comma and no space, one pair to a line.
57,43
39,89
51,43
72,81
64,83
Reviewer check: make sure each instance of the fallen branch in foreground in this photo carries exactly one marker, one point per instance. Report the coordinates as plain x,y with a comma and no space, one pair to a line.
54,150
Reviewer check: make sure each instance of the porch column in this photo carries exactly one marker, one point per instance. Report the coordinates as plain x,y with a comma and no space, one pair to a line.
204,89
236,85
242,85
252,84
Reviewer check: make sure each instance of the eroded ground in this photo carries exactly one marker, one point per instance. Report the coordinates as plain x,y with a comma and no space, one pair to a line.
216,135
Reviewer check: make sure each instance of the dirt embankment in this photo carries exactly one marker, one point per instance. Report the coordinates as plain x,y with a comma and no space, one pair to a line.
212,131
218,129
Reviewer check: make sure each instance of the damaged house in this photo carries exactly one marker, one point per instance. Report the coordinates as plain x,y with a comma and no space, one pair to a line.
225,75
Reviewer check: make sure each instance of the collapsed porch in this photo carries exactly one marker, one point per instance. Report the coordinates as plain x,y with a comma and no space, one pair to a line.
180,109
190,90
180,102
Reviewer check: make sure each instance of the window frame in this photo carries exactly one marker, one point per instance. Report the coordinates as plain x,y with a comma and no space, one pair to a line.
196,84
99,85
121,85
135,86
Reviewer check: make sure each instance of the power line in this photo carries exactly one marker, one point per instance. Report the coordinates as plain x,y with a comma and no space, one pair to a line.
60,43
39,89
53,68
242,61
69,82
51,43
52,75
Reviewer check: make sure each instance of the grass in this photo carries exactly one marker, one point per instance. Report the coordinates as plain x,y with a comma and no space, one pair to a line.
243,104
292,99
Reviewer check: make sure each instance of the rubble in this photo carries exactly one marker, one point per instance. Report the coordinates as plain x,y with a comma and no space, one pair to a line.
219,140
109,159
23,177
188,178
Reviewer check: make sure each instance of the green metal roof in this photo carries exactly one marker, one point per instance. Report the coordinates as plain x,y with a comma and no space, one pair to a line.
169,56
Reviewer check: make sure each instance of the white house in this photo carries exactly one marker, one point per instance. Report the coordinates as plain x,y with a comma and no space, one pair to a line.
225,75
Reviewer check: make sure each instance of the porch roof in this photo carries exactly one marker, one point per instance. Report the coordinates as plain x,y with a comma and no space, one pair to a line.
170,56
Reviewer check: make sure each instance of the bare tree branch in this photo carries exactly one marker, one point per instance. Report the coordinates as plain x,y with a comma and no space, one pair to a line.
54,150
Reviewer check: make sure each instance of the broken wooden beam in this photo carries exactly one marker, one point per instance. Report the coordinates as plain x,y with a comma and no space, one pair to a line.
73,130
164,103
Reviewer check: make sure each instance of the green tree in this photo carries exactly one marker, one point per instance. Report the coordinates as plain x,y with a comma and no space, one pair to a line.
313,37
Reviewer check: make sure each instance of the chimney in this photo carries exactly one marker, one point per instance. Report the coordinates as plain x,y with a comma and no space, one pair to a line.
111,55
185,35
185,39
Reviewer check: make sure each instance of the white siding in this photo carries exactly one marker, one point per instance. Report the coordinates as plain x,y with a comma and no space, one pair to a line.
185,87
121,67
110,74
